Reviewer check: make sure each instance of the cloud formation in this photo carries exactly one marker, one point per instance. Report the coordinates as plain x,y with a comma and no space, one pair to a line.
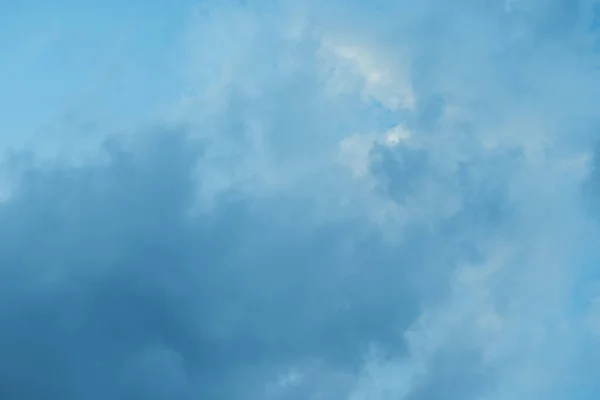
354,200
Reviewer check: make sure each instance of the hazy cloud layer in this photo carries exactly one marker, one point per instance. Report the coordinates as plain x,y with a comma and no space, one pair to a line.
352,200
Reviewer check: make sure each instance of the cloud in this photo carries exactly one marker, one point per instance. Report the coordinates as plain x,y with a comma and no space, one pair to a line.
353,200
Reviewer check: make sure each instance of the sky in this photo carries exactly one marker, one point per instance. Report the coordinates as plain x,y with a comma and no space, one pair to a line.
336,200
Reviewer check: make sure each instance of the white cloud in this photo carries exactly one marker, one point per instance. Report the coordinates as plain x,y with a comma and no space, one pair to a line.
378,82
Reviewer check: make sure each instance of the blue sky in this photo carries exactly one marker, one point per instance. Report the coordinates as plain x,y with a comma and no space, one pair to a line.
299,200
67,58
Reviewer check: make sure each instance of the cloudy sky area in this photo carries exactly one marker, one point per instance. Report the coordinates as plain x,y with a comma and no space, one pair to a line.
353,200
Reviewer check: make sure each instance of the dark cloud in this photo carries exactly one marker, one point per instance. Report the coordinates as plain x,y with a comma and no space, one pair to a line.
110,286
